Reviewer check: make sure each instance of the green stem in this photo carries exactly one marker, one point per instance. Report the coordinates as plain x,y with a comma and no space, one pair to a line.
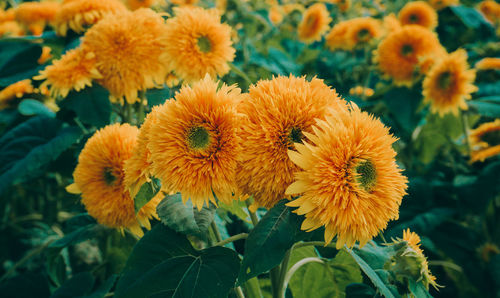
239,72
252,288
128,113
274,277
382,236
142,104
284,269
232,239
239,292
465,127
253,217
218,237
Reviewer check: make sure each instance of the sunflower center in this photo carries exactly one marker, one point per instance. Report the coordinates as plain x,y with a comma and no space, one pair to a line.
444,80
295,135
413,19
109,178
198,137
363,34
204,44
367,175
406,50
491,137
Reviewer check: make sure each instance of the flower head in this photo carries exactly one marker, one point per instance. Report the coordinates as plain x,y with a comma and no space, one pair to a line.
398,53
418,13
485,141
11,28
16,90
362,30
193,143
349,180
278,113
491,10
130,52
74,71
78,15
7,15
36,15
449,83
136,4
391,23
314,23
335,39
198,44
99,178
488,63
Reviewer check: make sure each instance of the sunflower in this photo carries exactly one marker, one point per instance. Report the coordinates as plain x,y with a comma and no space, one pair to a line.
36,15
335,39
343,5
278,113
99,178
440,4
198,43
488,63
77,15
391,23
136,4
418,13
424,274
193,143
16,90
7,15
350,182
314,23
361,31
184,2
74,71
485,141
449,83
491,10
276,14
138,166
130,52
398,53
11,28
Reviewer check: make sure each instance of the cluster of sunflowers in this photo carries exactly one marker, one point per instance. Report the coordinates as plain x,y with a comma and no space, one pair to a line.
289,137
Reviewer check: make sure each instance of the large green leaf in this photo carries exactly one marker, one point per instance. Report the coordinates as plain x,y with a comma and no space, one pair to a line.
147,191
164,264
32,145
91,105
184,218
470,17
79,285
268,242
326,280
486,106
18,60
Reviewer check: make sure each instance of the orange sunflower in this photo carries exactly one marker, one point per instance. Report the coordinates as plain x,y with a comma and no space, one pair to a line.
449,83
16,90
418,13
349,180
314,23
278,113
391,23
99,178
130,52
138,166
398,53
198,44
193,143
335,39
7,15
361,31
488,63
11,28
136,4
36,15
485,141
440,4
491,10
74,71
78,15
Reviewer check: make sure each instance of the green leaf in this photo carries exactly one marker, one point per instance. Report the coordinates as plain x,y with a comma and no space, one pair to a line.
422,222
486,108
30,107
79,235
184,218
470,16
26,285
30,146
158,96
403,104
79,285
237,208
147,191
18,60
91,105
104,288
418,289
268,242
163,263
326,280
359,290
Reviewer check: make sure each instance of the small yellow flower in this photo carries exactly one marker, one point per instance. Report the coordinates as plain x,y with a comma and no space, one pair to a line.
485,141
314,23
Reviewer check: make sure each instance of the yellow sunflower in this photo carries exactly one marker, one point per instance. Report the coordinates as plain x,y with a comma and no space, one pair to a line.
488,63
184,2
449,83
349,180
16,90
440,4
74,71
99,178
398,53
136,4
335,39
418,13
7,15
193,143
78,15
276,14
130,52
198,44
314,23
491,10
361,31
425,274
36,15
485,141
138,166
278,113
391,23
11,28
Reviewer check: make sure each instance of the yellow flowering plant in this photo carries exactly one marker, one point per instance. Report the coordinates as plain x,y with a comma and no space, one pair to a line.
245,148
